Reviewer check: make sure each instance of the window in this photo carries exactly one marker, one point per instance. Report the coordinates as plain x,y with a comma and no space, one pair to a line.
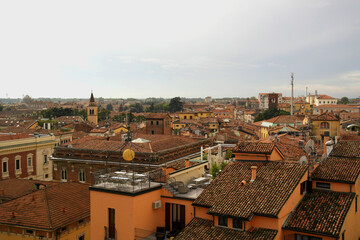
238,223
152,122
223,221
17,164
356,203
304,237
46,175
81,237
45,159
111,212
343,236
4,167
323,185
29,161
29,231
324,125
152,132
157,122
302,187
82,175
63,174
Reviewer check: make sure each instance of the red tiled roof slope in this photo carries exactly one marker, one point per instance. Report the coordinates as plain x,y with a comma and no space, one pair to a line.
254,147
13,188
325,117
49,208
346,149
321,212
274,183
337,169
203,229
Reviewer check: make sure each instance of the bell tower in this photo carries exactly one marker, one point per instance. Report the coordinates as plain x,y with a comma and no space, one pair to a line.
92,111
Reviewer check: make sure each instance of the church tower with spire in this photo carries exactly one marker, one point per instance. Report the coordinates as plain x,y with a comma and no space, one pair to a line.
92,111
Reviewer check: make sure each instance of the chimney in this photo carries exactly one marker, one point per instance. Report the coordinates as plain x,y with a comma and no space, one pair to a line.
253,173
187,163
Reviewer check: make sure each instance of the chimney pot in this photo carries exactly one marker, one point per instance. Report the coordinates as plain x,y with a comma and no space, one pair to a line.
253,173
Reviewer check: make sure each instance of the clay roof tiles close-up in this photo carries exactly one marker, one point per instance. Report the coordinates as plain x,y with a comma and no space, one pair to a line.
274,183
346,149
48,208
254,147
203,229
337,169
321,212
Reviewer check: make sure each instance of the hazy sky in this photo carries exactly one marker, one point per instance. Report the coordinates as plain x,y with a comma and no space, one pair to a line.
181,48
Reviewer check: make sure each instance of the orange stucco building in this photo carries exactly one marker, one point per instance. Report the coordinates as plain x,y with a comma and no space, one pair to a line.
125,212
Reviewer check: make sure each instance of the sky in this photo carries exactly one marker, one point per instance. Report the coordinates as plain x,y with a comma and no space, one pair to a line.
167,48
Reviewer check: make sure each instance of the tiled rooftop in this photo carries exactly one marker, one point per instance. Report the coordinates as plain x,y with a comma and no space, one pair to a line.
321,212
324,97
13,188
274,183
203,229
254,147
326,116
157,143
49,208
337,169
346,149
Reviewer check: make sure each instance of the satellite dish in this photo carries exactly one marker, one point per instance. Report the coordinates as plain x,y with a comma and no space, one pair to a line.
303,160
271,138
323,158
69,146
309,146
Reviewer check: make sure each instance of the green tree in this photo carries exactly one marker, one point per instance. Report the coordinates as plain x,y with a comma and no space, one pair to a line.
223,165
176,105
26,99
109,107
119,118
214,170
104,114
121,108
151,108
1,107
205,156
270,113
344,100
137,107
140,118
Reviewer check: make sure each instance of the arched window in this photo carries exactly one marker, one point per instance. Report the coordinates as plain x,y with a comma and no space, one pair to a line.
324,125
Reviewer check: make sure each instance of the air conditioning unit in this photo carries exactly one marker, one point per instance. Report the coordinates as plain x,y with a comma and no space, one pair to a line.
157,204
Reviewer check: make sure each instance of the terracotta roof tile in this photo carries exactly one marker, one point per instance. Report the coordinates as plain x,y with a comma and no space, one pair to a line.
202,229
254,147
326,116
337,169
346,149
274,183
321,212
49,208
324,97
13,188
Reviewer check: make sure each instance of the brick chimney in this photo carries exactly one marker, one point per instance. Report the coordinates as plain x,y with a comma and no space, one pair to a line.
253,173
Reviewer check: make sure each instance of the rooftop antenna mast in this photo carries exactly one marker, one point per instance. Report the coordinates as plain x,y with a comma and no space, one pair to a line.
292,93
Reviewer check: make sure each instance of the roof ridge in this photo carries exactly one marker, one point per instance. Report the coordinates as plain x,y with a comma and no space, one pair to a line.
47,207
